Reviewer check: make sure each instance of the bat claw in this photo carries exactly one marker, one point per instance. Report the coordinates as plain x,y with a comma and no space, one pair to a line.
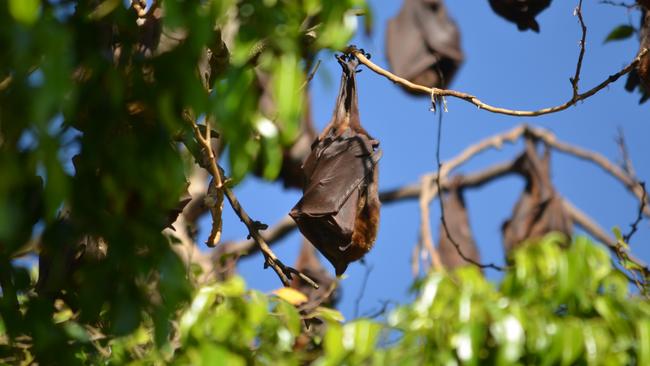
344,248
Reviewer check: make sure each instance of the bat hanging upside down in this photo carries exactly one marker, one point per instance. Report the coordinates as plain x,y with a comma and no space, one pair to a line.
339,209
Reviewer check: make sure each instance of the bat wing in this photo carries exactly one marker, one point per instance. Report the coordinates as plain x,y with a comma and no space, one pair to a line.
326,214
336,170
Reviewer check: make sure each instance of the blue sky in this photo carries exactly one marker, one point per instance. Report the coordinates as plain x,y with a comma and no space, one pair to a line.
503,67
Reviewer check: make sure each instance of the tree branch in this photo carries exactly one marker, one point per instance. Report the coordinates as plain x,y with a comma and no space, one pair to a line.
284,272
414,191
477,102
428,192
576,77
630,183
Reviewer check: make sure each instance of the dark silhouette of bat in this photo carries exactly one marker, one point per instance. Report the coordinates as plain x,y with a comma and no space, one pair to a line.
339,210
423,43
640,77
520,12
459,230
539,209
309,264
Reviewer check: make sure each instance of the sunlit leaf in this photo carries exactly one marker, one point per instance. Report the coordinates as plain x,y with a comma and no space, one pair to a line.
25,11
290,295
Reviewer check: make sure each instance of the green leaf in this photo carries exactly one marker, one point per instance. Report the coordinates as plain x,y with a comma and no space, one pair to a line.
324,313
617,233
361,337
333,343
288,78
202,301
76,331
643,334
619,33
25,11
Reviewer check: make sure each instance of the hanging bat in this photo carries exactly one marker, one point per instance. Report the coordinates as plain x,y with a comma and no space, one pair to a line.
641,75
423,43
520,12
459,230
539,209
339,210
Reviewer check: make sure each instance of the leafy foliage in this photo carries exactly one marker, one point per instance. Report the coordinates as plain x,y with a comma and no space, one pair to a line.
93,140
555,305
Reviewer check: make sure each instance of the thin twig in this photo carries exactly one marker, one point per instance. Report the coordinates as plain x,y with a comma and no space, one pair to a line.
639,217
626,162
311,75
477,102
576,77
621,4
362,290
442,208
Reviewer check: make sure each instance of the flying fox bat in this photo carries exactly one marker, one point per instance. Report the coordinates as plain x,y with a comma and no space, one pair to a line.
423,43
520,12
539,209
339,210
641,75
459,230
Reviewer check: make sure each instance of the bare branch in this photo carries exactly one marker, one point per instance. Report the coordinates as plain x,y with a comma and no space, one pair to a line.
413,191
477,102
626,162
427,193
620,3
630,183
639,217
589,225
576,77
311,75
284,272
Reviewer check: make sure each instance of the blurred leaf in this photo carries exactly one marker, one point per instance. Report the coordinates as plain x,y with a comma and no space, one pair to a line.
619,33
643,334
290,295
327,314
287,81
76,332
205,298
25,11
